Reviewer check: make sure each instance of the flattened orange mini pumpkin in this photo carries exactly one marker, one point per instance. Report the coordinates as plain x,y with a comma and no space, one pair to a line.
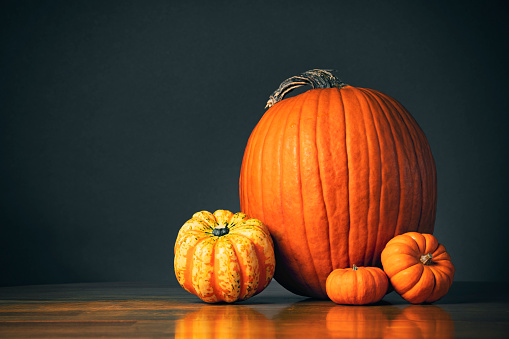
357,285
223,256
419,268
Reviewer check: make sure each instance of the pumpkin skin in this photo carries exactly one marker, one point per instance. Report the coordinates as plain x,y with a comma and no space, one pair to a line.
224,257
419,268
357,285
335,173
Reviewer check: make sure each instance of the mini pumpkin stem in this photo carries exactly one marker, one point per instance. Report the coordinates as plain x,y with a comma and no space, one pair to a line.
426,259
355,268
220,230
316,78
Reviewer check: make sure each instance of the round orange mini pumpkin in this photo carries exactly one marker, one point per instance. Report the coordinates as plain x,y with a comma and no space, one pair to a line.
419,268
335,173
223,256
357,285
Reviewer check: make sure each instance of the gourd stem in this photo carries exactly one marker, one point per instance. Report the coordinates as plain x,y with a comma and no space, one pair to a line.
316,78
355,267
220,230
426,259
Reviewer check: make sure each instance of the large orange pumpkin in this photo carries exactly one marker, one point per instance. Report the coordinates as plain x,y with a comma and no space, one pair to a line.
223,256
335,173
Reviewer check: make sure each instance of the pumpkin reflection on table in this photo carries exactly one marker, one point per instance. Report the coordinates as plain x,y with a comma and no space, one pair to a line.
225,321
311,318
359,322
422,321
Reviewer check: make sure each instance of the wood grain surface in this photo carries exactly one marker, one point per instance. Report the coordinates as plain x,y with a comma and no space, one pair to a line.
136,310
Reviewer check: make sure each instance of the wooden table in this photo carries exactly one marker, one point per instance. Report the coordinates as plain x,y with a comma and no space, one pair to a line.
134,310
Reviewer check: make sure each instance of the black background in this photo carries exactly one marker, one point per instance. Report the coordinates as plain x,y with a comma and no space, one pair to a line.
120,119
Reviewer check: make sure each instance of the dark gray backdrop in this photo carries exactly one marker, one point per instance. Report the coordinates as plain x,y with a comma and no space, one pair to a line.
120,119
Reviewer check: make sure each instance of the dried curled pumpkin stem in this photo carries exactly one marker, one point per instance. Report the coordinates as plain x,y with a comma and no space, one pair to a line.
426,259
316,78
